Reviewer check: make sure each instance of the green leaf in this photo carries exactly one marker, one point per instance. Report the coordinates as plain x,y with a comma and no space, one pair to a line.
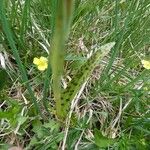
52,126
102,141
73,136
82,75
21,119
4,146
3,78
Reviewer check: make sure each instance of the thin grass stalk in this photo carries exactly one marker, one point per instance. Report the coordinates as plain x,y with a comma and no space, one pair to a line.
25,18
132,83
48,72
118,42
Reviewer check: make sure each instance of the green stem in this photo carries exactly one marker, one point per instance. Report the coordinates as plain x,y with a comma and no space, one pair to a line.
57,52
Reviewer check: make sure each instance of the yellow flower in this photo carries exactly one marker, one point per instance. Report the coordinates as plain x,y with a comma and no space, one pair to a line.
41,63
146,64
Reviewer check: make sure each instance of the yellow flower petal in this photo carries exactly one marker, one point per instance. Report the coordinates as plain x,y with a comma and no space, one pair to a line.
42,68
43,59
36,61
146,64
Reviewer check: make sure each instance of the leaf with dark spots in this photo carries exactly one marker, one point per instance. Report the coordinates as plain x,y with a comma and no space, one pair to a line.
82,75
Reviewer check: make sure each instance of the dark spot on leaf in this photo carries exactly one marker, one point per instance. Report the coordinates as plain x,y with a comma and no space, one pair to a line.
62,104
67,99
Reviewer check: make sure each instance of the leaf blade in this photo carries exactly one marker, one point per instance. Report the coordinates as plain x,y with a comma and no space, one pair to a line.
82,75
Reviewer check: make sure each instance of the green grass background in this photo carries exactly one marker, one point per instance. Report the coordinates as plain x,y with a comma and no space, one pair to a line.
113,109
